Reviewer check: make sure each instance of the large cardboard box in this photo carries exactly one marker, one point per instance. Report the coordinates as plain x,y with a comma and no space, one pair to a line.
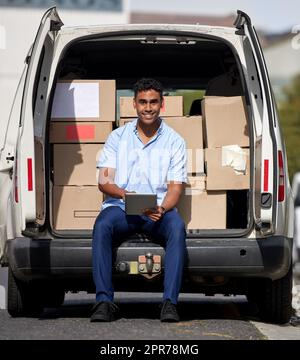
173,106
190,129
203,210
80,132
227,177
75,207
225,121
84,100
75,164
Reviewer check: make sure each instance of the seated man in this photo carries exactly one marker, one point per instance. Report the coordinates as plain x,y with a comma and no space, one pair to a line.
144,156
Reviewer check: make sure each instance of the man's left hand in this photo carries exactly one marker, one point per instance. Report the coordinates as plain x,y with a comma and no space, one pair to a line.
155,214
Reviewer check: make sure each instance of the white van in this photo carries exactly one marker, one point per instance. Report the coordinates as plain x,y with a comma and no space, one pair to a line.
250,255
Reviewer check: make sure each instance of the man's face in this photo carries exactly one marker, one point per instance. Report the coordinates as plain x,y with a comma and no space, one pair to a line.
148,104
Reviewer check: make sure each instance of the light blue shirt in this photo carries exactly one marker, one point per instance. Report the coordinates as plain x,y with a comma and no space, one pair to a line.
144,168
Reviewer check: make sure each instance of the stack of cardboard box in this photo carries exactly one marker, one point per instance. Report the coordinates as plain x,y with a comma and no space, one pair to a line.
226,140
82,117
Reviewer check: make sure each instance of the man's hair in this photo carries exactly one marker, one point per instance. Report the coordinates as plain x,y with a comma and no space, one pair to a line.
148,84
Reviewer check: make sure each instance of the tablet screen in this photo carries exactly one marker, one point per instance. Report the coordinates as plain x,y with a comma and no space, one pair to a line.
136,203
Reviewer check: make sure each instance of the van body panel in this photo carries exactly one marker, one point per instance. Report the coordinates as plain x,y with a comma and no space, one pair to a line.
20,135
7,161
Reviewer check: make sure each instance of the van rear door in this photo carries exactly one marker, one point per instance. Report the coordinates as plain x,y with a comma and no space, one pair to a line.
266,154
17,154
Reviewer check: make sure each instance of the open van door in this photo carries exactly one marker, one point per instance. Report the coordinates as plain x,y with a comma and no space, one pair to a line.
267,156
17,155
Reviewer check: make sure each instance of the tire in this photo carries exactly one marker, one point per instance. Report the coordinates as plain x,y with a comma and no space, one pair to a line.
274,298
22,298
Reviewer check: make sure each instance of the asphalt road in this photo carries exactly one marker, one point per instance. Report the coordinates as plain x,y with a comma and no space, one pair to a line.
202,318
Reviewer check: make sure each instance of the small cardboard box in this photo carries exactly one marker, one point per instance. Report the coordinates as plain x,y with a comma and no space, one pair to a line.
75,164
173,106
80,132
84,100
222,177
225,121
203,210
123,121
188,127
76,207
195,185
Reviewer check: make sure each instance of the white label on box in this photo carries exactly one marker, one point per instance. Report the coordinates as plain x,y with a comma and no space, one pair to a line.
76,100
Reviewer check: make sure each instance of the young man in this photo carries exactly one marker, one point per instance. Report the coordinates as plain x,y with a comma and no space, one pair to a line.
144,156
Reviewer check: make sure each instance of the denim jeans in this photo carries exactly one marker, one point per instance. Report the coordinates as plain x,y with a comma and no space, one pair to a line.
113,224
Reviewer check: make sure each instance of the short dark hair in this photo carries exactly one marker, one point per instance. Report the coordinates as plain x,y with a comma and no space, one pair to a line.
146,84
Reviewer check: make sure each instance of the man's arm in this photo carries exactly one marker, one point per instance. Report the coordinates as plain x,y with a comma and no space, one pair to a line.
172,197
106,183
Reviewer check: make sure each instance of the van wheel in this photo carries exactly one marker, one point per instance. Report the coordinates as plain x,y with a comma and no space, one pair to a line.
22,298
274,299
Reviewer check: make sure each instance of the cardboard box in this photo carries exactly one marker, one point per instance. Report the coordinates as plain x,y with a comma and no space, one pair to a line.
220,177
76,207
84,100
173,106
190,129
225,121
196,185
75,164
80,132
205,210
123,121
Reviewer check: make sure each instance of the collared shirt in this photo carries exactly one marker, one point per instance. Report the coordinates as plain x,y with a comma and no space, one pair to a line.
144,168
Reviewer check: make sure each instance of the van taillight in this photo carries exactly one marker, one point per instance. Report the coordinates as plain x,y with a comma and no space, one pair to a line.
281,187
29,174
16,180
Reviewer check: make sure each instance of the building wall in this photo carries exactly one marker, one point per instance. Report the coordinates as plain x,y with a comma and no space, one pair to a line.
18,26
283,62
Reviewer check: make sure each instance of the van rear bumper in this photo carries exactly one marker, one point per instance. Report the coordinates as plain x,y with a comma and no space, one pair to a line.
231,257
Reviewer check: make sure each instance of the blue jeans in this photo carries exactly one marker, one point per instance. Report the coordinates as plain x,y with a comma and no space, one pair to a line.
113,224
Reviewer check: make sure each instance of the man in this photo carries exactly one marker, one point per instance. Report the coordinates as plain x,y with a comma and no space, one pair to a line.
144,156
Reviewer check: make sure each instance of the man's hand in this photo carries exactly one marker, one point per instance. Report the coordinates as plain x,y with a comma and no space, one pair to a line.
155,214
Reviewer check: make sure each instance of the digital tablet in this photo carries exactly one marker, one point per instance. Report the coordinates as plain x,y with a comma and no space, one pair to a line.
136,203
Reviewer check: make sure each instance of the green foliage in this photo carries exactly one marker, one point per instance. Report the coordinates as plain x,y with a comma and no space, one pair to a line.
188,97
289,111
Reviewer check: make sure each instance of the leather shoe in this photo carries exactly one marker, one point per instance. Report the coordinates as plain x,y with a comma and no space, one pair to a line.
168,312
104,311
